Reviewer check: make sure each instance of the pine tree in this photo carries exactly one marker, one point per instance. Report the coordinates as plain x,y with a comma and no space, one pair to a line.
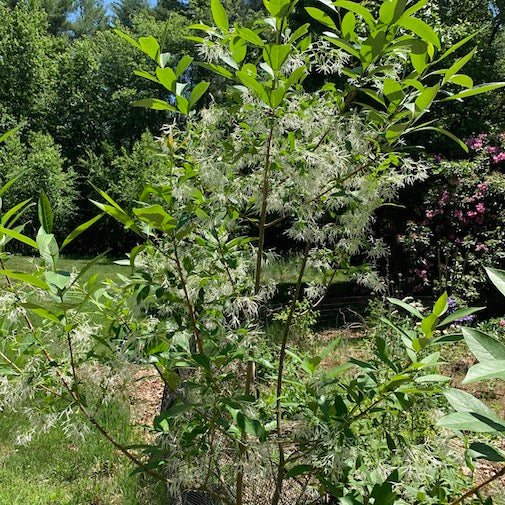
126,10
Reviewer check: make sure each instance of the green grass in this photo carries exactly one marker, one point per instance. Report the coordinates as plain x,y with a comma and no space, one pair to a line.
53,470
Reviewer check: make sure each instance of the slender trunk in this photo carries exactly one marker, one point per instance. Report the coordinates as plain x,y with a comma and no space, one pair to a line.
278,411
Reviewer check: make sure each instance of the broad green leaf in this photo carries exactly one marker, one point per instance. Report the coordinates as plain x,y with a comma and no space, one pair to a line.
150,46
167,78
42,312
372,47
32,280
60,279
297,470
469,421
9,183
48,247
480,450
494,369
219,15
357,9
127,38
446,133
497,277
321,16
117,214
250,36
156,217
425,99
432,378
80,229
348,26
441,305
217,69
461,401
277,8
484,347
45,213
476,90
253,85
250,426
275,55
428,325
183,65
342,44
416,7
459,314
154,103
420,28
146,75
391,10
419,56
393,91
461,80
406,306
198,91
310,364
182,104
20,237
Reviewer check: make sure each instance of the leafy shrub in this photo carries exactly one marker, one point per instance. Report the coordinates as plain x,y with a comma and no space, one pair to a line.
459,227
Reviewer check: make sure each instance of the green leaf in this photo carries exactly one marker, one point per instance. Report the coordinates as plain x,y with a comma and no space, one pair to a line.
250,36
217,69
480,450
15,212
476,90
154,103
219,15
438,129
420,28
275,55
167,78
119,215
407,307
459,314
484,371
441,305
277,8
459,44
469,421
149,45
253,85
461,401
45,213
357,9
428,325
458,65
146,75
416,7
248,425
321,16
42,312
348,26
497,277
393,91
20,237
483,346
80,229
343,44
156,217
32,280
425,99
419,55
310,364
9,133
391,10
372,47
48,247
462,80
60,279
297,470
183,65
198,91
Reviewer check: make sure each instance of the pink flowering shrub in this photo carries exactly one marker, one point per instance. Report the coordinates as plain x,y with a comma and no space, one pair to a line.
460,226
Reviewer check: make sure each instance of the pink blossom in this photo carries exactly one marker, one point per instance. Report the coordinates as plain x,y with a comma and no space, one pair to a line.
481,247
480,208
492,149
474,143
458,214
501,136
471,214
458,241
483,187
502,321
445,198
499,157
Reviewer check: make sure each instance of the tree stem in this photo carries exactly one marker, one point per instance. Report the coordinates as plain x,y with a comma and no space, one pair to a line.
280,371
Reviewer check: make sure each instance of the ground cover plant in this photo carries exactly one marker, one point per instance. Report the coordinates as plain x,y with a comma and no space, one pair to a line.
242,406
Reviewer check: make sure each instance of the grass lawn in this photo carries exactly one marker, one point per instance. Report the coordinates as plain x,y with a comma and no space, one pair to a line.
54,470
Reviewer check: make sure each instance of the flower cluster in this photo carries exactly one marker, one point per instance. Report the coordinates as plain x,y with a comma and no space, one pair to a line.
491,146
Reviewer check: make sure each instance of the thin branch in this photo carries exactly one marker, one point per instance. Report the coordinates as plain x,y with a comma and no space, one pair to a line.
280,371
476,489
